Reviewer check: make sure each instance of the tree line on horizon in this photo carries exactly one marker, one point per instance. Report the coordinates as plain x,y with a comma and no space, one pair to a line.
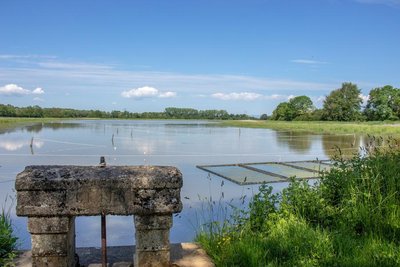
168,113
343,104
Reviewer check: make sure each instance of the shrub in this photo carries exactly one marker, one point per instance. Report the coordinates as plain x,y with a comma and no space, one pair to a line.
7,240
351,217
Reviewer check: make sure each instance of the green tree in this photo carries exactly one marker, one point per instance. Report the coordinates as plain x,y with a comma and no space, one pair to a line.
343,104
30,111
383,104
297,107
301,105
283,112
181,113
7,111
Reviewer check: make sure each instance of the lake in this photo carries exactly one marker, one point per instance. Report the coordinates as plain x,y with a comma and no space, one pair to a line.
179,143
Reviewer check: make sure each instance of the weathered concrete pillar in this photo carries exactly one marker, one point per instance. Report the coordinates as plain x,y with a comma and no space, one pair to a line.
53,241
51,196
152,240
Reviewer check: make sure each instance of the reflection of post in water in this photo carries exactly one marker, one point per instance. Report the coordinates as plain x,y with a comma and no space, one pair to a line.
297,141
31,146
112,140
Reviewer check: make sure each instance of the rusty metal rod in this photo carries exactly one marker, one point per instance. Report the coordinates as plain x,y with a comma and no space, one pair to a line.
103,241
103,227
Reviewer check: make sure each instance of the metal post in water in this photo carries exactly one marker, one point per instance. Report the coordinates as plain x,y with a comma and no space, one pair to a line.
103,241
103,227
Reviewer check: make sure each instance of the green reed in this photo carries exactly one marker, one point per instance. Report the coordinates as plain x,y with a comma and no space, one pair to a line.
8,241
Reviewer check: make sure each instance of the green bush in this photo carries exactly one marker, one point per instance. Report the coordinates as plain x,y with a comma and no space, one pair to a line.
350,217
8,242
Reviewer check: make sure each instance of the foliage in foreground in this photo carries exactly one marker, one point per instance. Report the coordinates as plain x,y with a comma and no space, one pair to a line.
351,217
8,241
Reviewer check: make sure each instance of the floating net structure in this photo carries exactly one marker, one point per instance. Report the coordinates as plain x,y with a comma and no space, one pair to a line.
269,172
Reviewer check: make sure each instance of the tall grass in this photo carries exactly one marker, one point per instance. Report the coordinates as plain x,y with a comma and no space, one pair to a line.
8,241
322,127
351,217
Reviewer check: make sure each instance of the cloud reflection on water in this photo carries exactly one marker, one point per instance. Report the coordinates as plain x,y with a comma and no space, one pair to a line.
14,145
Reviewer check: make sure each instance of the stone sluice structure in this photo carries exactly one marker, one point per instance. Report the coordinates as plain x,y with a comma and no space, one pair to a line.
52,196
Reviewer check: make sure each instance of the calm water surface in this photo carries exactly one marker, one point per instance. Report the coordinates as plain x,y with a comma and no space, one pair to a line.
183,144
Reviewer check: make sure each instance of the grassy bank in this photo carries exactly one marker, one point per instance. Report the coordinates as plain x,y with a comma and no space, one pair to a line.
351,217
372,128
12,120
8,242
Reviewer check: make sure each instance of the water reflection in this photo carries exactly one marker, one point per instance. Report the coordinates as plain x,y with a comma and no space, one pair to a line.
296,141
38,127
349,144
14,145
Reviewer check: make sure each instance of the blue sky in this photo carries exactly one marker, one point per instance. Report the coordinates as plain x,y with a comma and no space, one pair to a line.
242,56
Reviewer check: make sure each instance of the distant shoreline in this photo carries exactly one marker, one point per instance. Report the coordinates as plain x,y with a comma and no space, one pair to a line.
314,127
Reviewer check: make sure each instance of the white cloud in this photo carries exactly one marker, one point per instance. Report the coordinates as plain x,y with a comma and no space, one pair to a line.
167,94
38,99
278,97
275,97
237,96
141,92
146,92
308,61
290,97
38,91
250,96
15,90
74,65
364,98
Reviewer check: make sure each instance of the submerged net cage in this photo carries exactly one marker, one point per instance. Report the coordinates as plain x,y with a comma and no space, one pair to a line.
269,172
